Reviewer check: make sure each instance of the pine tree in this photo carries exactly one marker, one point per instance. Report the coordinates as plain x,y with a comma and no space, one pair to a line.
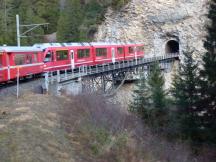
7,22
77,21
92,15
70,21
141,99
208,76
26,11
185,93
159,113
149,99
156,83
48,11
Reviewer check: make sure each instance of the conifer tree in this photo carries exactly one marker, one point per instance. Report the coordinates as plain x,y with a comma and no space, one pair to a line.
158,97
7,23
208,76
30,12
185,93
48,11
156,84
70,21
149,99
141,99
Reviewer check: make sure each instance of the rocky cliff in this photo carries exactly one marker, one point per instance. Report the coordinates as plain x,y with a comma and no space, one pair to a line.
165,26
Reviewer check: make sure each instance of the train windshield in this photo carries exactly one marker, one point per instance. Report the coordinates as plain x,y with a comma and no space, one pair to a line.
48,57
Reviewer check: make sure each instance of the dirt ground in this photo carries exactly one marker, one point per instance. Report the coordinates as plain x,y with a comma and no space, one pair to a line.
46,128
30,130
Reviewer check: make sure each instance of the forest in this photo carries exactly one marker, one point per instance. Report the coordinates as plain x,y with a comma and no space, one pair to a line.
72,20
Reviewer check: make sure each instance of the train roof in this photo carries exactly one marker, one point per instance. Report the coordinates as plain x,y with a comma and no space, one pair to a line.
19,49
46,45
40,47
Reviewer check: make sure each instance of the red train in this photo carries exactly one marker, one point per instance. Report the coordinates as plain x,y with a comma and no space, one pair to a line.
58,56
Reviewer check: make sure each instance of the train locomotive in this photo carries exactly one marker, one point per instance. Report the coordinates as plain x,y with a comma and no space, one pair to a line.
33,60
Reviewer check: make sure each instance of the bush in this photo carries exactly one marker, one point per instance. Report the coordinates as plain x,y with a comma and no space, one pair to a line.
102,131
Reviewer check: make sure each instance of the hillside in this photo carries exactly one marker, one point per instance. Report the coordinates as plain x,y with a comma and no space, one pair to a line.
47,128
30,130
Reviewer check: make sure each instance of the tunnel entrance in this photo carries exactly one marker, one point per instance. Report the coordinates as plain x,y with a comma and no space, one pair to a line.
172,46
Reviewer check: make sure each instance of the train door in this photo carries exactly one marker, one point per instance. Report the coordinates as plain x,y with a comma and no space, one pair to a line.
113,55
1,66
72,59
135,50
8,66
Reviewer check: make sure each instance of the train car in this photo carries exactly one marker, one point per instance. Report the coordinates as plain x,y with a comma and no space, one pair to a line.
58,56
27,61
3,66
108,52
66,55
22,61
134,51
139,51
120,53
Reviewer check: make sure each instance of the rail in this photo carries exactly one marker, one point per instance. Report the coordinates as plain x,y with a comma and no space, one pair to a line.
84,71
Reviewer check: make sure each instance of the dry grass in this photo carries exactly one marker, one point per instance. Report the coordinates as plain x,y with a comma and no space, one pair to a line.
31,130
102,131
83,129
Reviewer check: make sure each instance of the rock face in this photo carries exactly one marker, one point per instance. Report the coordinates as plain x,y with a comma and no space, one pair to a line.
164,26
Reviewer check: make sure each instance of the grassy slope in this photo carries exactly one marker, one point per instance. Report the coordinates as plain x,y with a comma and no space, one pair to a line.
83,128
30,130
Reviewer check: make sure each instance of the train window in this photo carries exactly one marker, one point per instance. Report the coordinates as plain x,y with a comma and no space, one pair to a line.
62,55
19,59
28,59
83,53
101,52
120,50
48,57
131,49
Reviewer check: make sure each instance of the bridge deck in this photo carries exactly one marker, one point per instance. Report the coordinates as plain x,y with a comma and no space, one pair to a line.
87,71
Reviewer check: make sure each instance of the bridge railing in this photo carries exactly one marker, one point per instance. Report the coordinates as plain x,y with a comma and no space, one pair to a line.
63,76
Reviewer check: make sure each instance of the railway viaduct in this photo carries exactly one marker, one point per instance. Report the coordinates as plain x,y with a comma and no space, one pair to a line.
107,78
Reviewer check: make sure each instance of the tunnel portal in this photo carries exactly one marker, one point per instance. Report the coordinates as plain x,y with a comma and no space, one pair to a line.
172,46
